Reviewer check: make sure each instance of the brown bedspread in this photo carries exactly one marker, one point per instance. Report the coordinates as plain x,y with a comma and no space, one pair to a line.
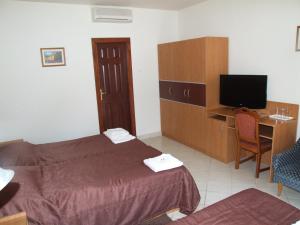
251,207
91,181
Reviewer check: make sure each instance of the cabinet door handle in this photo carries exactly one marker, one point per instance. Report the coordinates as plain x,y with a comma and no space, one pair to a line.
170,91
184,93
188,92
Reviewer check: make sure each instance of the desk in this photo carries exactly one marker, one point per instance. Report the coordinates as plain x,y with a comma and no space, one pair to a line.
222,143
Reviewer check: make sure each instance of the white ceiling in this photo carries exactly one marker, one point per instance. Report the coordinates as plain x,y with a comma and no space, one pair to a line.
152,4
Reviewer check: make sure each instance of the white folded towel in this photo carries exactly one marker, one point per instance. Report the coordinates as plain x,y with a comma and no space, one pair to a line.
162,162
116,132
297,223
118,135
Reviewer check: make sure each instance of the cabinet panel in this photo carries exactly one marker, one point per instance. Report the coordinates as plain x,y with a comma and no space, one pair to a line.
190,60
217,139
166,54
222,143
184,123
183,92
182,61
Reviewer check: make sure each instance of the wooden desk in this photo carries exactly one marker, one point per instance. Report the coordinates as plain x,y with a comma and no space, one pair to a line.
222,143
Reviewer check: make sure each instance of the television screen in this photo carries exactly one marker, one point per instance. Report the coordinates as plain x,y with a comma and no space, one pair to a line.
243,91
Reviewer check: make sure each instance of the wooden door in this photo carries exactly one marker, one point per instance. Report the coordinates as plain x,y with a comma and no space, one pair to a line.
113,78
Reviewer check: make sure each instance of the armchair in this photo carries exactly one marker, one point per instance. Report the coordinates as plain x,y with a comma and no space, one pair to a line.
287,168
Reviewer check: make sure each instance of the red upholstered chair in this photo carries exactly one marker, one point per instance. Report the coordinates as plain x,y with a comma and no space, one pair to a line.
247,132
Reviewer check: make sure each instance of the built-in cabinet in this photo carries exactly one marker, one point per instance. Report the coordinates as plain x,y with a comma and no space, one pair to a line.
184,123
189,73
221,138
189,85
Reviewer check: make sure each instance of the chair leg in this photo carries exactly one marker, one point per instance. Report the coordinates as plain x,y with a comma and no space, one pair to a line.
279,187
237,159
258,159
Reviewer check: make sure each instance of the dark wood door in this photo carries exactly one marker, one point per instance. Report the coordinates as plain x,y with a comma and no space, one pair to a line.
113,77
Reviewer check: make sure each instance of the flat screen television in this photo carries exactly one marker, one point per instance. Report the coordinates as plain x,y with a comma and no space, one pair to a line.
243,91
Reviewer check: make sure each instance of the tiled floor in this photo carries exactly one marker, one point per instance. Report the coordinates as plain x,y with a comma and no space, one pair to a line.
217,180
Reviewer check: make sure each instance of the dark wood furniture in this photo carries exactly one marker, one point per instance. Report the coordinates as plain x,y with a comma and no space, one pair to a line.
114,85
247,132
191,93
189,85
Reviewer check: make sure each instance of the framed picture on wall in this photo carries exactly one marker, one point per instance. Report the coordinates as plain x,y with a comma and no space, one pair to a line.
298,39
53,57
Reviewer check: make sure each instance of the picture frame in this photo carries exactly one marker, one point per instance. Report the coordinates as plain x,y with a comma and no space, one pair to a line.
298,39
53,56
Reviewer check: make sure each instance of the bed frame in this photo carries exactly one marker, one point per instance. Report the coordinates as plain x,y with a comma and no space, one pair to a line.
17,219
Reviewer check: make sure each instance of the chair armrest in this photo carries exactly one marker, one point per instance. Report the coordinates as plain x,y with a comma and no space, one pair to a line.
292,155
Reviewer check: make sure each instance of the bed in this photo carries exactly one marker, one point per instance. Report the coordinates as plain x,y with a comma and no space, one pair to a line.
251,207
90,181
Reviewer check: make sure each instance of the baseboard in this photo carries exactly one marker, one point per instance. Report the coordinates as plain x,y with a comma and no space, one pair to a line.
150,135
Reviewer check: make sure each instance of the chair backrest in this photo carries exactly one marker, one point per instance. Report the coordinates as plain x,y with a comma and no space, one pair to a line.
246,124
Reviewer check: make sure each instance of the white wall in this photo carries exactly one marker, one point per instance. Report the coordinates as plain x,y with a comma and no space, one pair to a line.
262,36
50,104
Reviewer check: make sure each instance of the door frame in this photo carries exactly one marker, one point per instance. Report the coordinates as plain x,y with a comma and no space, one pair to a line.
96,41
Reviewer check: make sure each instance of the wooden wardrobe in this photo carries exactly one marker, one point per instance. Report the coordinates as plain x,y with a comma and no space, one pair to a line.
189,73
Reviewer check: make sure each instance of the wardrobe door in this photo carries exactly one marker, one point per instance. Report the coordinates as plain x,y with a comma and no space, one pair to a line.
196,134
166,61
184,123
189,60
173,123
182,61
193,94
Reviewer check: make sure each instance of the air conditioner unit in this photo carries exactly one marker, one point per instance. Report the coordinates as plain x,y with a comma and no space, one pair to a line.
112,15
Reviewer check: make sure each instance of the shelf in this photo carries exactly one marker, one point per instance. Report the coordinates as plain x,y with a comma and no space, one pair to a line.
266,131
218,117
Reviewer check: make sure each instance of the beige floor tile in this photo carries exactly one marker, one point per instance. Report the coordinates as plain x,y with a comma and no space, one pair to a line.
294,202
213,197
291,194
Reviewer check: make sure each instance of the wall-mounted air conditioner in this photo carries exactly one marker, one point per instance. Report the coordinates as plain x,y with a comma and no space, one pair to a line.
112,15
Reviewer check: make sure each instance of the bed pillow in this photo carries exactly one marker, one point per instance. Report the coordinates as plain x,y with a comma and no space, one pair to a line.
18,154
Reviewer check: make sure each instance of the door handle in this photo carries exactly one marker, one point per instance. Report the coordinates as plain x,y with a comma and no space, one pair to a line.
188,92
170,91
184,93
101,94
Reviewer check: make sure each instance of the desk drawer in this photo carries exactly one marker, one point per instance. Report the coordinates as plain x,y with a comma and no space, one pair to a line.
191,93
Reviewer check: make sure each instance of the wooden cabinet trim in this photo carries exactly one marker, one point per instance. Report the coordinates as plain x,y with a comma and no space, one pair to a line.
165,99
187,82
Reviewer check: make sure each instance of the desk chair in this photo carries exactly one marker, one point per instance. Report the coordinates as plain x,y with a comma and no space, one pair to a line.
247,132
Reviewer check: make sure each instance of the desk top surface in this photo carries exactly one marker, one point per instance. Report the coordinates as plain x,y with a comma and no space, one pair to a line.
264,116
